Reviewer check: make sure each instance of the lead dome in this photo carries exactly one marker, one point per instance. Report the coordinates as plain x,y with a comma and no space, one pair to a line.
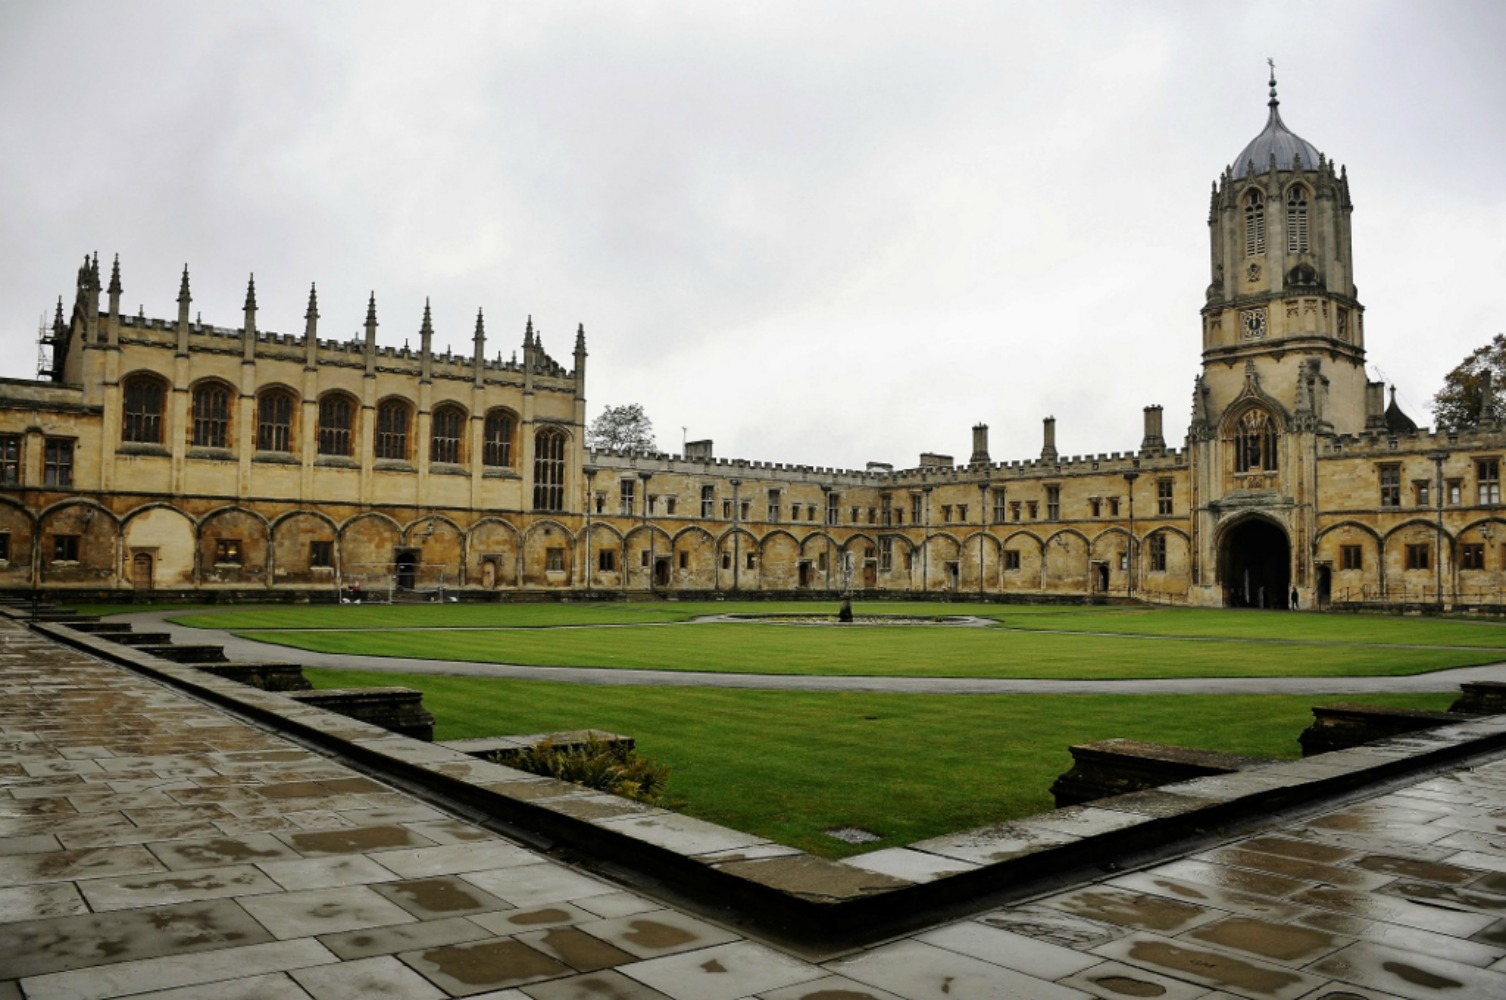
1290,150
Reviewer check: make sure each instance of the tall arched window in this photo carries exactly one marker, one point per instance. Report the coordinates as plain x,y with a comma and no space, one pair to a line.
1254,224
211,415
1255,443
549,469
141,410
497,439
336,421
274,421
1296,219
392,430
446,426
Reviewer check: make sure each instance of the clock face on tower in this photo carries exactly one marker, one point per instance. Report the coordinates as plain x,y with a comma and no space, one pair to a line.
1252,324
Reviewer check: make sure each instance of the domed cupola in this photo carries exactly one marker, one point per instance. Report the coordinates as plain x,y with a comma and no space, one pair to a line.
1291,151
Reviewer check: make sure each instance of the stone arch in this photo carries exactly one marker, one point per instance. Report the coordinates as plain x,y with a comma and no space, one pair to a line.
644,546
368,548
438,542
1362,574
1477,559
18,527
89,558
233,548
168,537
941,558
548,549
694,565
980,569
1065,561
1402,579
304,549
605,537
1254,561
1021,555
1165,561
492,548
778,559
864,550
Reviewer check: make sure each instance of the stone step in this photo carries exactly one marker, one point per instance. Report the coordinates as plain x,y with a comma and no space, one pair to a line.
1341,726
129,638
398,709
1119,766
266,676
1481,698
188,653
507,749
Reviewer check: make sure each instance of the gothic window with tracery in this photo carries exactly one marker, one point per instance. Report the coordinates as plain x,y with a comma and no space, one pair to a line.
446,426
1296,220
336,423
1255,443
1254,224
211,416
141,414
549,470
392,430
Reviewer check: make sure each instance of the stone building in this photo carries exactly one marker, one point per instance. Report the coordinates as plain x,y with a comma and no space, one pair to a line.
168,455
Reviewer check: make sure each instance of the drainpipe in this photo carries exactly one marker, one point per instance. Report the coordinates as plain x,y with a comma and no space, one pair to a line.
736,541
982,527
590,472
645,477
1129,486
1438,457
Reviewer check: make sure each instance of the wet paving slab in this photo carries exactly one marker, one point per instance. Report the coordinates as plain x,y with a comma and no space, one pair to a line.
152,845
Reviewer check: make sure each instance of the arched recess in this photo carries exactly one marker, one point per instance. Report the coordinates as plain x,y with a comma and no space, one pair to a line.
304,552
862,549
1479,559
1254,563
1351,552
1021,554
814,567
605,557
1066,562
1415,556
78,544
166,536
942,558
492,554
980,562
1165,562
695,560
548,555
1108,561
648,557
233,548
737,556
438,546
368,550
778,556
16,528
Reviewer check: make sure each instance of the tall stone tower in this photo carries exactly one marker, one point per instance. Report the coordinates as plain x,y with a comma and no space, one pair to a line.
1282,294
1283,364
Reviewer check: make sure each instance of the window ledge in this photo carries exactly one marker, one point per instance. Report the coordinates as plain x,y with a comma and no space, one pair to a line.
276,458
212,454
336,462
449,469
393,465
135,448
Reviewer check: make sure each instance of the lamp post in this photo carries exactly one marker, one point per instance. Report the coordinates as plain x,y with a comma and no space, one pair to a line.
1438,458
645,477
982,527
1129,486
590,472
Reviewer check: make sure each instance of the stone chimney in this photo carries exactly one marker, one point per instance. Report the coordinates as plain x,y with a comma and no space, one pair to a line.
1048,444
699,451
1375,406
980,445
1153,439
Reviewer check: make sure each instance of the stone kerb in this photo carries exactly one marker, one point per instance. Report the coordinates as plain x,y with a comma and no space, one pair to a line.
1341,726
1119,767
812,905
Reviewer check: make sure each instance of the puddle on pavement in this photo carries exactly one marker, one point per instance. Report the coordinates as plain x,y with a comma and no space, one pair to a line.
354,840
1432,871
1131,909
1222,970
437,895
652,934
547,916
582,951
494,962
1126,987
1420,977
1282,942
223,849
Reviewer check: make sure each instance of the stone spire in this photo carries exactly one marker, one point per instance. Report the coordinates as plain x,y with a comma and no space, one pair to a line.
371,328
478,352
185,298
426,345
248,335
114,288
311,330
580,361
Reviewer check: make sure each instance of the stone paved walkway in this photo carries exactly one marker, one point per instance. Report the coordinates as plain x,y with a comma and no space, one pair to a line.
151,845
239,648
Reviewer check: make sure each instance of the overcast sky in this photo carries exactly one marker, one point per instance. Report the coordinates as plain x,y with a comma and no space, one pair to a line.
823,233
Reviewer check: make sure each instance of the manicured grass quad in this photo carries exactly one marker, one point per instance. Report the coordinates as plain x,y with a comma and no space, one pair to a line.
791,765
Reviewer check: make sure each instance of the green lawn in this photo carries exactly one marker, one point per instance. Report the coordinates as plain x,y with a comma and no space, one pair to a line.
790,765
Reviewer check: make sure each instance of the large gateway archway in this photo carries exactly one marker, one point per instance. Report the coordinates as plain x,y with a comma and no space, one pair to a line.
1255,565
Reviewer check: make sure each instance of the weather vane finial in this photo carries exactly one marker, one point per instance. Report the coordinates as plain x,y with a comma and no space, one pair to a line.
1272,63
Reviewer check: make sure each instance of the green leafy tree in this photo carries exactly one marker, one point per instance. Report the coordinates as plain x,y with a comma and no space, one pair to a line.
622,428
1463,402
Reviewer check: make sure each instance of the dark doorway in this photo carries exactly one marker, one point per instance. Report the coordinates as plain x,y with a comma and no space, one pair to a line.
1103,577
1255,565
661,571
141,571
1325,586
407,570
805,573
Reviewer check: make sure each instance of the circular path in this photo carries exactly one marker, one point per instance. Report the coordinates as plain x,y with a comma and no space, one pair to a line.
242,649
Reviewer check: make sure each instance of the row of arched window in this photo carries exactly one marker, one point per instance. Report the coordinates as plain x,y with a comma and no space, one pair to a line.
144,399
1296,221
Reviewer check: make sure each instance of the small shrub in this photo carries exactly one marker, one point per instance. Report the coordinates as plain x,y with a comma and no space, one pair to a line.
597,765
